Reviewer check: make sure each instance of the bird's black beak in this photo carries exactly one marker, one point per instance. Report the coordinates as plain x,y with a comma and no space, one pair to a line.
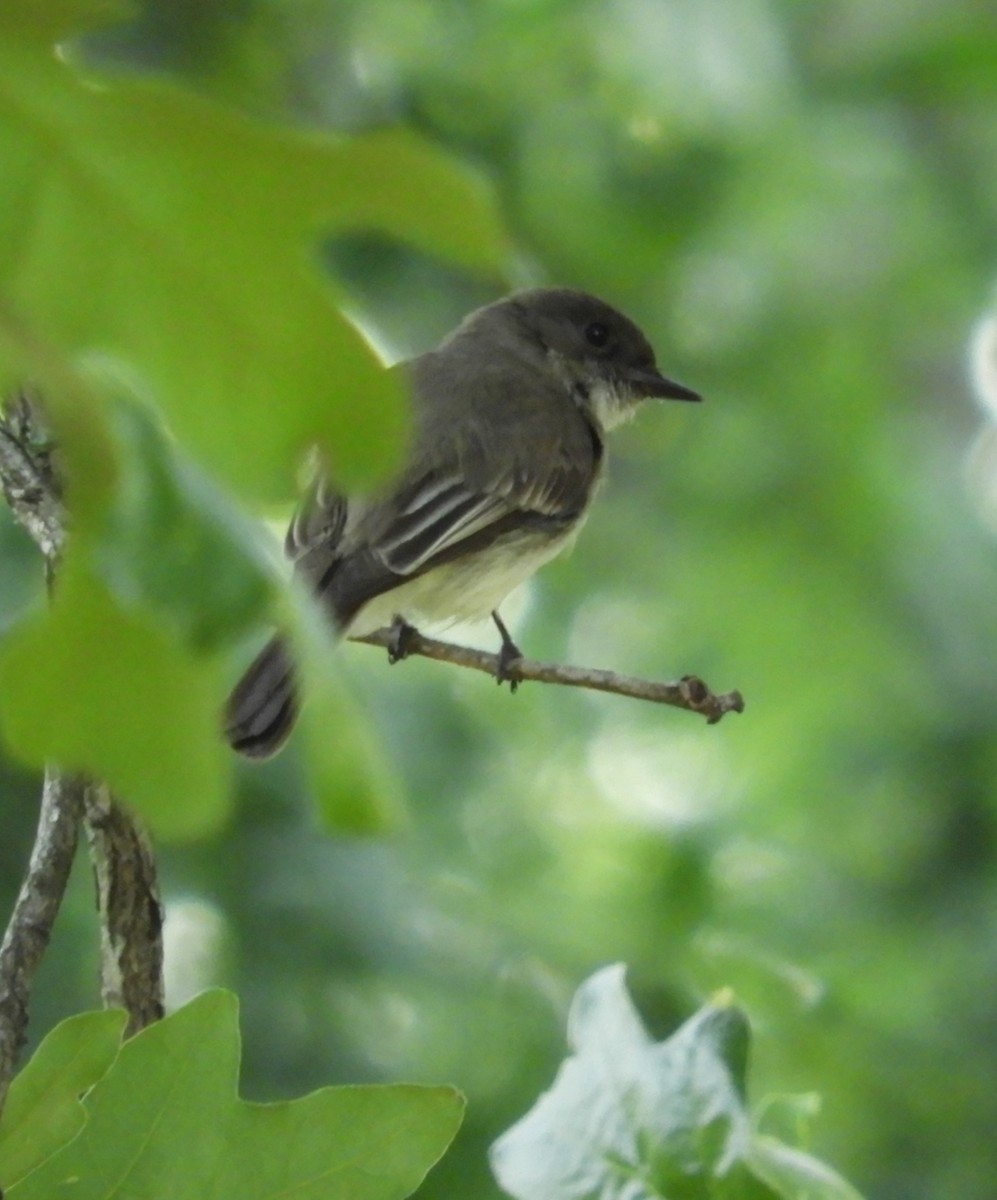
652,385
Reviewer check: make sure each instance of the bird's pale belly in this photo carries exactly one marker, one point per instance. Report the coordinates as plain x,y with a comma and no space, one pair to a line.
467,589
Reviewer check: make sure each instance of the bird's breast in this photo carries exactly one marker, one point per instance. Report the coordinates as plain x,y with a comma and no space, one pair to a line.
468,588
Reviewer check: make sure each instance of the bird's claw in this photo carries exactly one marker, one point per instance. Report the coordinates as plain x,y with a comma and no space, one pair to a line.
507,667
400,645
509,657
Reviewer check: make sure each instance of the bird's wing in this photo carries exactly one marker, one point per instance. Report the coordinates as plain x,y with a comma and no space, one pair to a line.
477,490
464,502
319,519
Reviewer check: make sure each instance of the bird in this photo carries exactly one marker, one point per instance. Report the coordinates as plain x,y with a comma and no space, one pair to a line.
509,417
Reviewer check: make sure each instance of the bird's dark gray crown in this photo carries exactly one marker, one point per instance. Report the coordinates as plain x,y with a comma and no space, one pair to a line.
570,324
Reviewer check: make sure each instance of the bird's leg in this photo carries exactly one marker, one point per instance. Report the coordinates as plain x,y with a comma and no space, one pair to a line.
508,657
402,634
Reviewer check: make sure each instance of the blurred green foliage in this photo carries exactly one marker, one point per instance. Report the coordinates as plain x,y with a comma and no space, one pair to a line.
124,197
797,201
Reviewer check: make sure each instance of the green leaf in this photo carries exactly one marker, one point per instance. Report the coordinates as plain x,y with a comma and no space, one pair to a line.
43,1110
175,545
149,235
58,18
795,1174
632,1119
102,689
166,1123
166,572
181,238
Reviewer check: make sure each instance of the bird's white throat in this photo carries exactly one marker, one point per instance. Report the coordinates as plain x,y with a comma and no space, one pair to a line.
611,403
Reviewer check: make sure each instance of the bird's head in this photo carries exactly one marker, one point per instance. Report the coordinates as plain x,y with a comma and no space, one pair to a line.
602,356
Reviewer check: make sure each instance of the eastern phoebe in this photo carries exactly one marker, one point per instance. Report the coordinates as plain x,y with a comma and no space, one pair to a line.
510,412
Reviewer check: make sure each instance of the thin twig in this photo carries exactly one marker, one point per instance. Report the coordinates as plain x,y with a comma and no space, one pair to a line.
29,477
690,692
131,918
35,911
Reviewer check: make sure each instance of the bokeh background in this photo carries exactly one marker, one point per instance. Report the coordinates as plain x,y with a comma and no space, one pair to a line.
797,201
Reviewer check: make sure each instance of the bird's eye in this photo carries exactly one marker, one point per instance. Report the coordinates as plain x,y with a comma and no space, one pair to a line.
597,334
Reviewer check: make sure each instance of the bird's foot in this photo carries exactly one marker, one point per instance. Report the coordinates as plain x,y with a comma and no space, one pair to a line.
400,645
509,657
507,671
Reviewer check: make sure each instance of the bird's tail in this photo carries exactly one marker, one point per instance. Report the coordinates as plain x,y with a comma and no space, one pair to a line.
263,705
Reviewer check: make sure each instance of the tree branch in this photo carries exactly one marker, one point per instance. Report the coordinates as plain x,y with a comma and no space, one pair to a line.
124,869
131,917
34,914
29,476
689,692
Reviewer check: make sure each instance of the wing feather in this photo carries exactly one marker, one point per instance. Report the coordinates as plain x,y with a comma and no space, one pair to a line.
466,500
